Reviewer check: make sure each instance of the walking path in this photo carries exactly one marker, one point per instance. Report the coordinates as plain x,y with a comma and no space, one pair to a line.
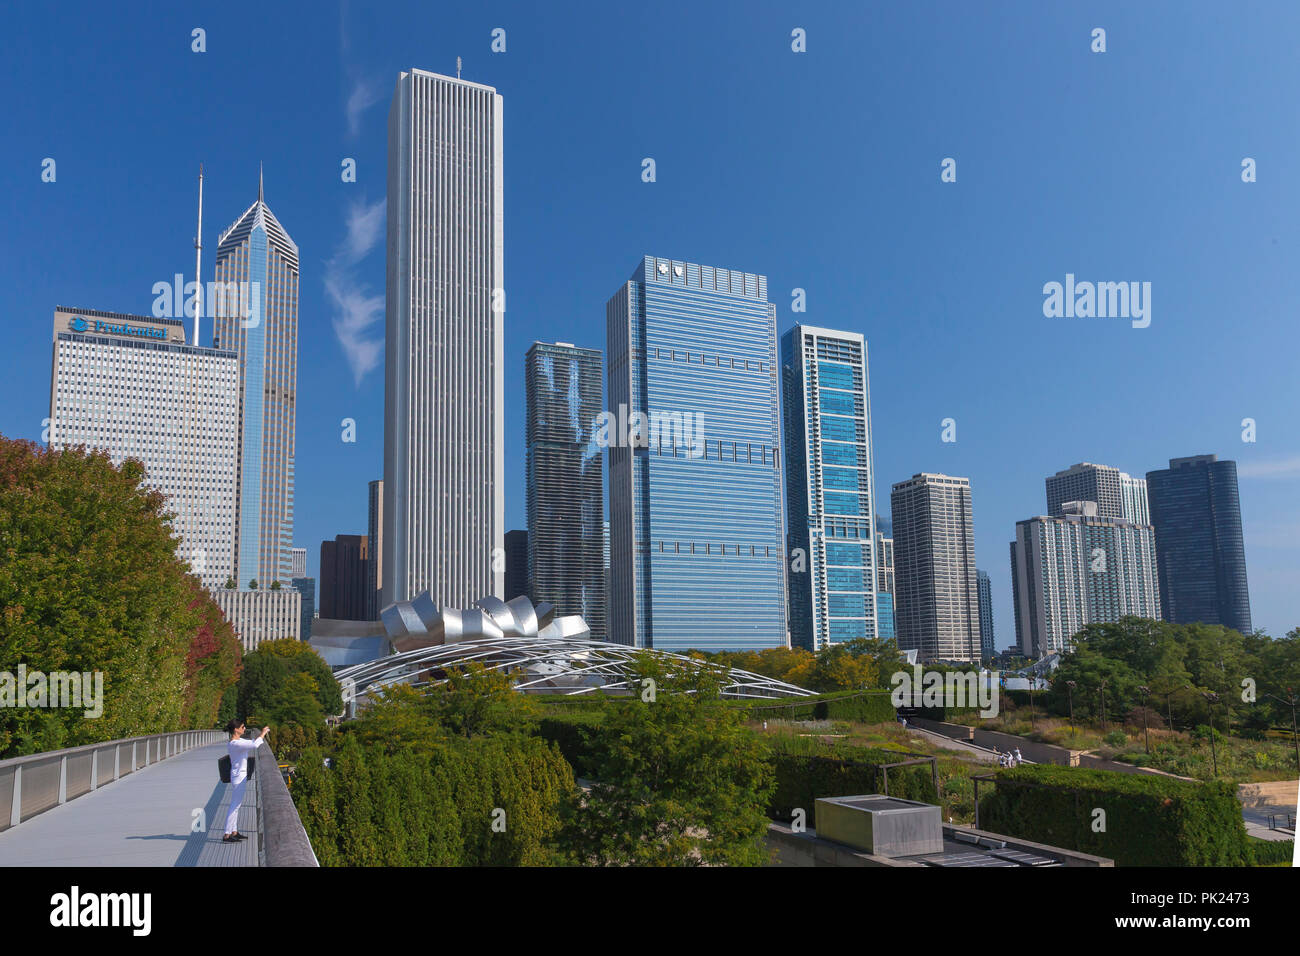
146,818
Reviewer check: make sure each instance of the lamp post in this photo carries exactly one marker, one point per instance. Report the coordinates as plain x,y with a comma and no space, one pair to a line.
1145,691
1103,707
1211,697
1069,691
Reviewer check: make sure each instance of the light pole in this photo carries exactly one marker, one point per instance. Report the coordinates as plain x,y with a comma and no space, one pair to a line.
1103,707
1069,692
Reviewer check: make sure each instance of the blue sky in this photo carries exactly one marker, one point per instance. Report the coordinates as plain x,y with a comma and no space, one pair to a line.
819,169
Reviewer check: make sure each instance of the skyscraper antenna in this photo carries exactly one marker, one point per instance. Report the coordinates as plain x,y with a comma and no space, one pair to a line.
458,68
198,264
259,181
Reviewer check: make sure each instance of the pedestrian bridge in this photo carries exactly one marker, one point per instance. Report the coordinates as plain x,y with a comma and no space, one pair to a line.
144,801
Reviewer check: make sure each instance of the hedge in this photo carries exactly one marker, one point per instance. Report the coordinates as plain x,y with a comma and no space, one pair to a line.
1149,820
435,809
804,772
1268,852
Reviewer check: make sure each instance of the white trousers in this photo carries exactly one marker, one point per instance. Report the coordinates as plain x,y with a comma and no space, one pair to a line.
236,801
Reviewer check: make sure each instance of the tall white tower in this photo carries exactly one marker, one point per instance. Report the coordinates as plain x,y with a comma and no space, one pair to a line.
444,502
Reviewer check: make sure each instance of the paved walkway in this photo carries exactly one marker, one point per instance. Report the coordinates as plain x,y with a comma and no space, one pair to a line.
1257,822
143,819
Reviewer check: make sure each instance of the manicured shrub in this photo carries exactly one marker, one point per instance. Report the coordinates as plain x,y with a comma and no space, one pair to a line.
1149,820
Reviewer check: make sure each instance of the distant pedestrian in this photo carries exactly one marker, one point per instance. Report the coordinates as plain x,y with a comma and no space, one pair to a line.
238,750
765,725
1019,759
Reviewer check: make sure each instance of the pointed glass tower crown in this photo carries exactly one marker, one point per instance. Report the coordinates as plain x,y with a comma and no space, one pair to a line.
256,311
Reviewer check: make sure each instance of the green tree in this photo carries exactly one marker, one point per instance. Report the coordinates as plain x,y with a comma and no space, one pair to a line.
679,780
90,582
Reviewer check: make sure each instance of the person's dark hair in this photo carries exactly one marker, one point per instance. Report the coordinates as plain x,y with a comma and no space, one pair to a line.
232,725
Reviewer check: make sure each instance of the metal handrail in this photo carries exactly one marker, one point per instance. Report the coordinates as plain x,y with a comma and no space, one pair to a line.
32,784
283,840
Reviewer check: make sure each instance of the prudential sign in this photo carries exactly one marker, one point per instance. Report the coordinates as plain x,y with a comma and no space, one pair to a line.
80,324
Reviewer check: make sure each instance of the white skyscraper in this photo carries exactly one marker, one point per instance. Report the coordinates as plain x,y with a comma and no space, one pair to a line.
444,503
936,604
1076,569
131,386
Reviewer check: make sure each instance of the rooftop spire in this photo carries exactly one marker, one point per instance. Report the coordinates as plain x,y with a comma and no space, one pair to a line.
259,182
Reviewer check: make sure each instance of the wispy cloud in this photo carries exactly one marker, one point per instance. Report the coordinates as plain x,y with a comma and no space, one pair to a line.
356,310
1274,468
364,93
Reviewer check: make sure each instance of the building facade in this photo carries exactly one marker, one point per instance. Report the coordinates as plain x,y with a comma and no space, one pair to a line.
261,615
1196,511
565,481
987,646
1077,569
307,588
829,493
1117,494
256,316
375,550
885,621
132,386
696,532
444,416
298,562
516,565
344,578
936,600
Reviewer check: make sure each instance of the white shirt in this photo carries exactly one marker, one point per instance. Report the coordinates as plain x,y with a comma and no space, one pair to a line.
239,751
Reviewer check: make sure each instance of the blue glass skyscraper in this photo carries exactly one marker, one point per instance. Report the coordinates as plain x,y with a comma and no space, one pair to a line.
695,525
1200,553
830,499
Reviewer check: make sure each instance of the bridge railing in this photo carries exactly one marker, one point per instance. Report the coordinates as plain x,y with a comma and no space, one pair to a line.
39,782
283,840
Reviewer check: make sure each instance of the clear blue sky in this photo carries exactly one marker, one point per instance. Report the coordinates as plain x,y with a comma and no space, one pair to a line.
819,169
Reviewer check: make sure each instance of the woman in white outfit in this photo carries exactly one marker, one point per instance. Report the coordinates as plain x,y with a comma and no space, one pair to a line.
239,751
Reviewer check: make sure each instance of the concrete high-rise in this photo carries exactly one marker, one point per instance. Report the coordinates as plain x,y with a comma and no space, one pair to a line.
936,604
1117,494
696,535
298,562
132,386
829,493
256,316
444,416
1196,511
1076,569
565,481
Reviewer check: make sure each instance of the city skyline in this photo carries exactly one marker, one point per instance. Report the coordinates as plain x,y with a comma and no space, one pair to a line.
1004,474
